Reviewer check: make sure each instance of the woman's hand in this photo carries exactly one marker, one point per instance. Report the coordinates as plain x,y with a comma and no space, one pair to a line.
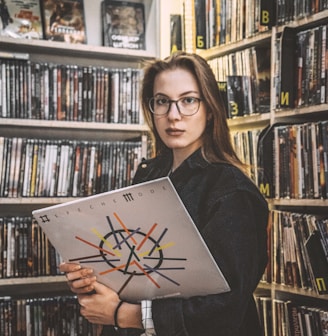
99,308
80,280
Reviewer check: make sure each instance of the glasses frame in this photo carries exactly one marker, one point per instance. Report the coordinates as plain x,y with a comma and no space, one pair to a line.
170,101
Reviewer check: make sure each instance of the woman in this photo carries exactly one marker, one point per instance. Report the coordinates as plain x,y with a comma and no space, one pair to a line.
183,108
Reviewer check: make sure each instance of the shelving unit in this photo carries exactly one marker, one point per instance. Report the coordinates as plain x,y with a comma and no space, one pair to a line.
78,55
304,114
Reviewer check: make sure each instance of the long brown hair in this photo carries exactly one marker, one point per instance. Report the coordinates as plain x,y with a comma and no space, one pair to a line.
217,142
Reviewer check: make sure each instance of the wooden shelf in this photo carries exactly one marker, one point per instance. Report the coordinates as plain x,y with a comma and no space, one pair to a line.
23,206
70,129
72,50
307,21
35,200
72,125
36,286
299,202
287,115
249,121
298,291
258,39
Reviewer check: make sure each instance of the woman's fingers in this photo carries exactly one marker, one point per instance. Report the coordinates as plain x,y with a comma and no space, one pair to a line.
80,280
69,267
82,285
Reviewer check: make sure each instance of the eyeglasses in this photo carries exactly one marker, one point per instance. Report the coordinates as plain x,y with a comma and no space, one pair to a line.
186,106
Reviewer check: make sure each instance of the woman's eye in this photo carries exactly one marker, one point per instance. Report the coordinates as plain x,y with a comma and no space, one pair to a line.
188,100
162,101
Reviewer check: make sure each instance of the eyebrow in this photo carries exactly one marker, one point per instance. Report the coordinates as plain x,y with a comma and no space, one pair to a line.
182,94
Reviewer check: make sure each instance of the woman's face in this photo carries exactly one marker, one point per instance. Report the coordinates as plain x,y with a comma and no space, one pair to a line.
183,134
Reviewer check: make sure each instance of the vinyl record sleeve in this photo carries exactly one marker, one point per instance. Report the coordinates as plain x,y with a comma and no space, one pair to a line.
140,241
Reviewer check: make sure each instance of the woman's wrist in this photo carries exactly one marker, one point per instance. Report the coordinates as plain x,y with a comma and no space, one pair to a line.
116,324
128,315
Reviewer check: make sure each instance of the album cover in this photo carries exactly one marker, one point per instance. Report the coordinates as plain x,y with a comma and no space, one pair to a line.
140,241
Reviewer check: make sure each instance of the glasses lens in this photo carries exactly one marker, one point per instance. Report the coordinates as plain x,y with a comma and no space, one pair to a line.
159,105
151,105
188,105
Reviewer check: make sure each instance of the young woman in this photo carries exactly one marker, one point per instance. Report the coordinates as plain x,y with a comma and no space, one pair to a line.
183,108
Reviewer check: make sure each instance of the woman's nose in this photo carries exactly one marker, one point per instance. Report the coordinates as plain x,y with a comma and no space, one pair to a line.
174,112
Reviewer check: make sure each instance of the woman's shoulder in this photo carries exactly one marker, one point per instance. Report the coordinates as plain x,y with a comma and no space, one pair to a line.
228,177
227,172
149,169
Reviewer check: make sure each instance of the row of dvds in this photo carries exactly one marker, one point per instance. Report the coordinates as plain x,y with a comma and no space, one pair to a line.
244,80
123,22
300,156
25,250
62,168
221,22
292,318
276,12
298,251
245,145
293,161
299,319
46,91
301,67
55,316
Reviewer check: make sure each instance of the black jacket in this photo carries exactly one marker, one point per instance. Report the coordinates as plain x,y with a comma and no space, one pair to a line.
231,215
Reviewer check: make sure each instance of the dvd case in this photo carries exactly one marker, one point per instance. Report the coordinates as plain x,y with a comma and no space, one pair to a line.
123,24
64,21
21,19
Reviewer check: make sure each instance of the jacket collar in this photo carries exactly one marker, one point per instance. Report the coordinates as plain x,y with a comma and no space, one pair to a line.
194,161
160,166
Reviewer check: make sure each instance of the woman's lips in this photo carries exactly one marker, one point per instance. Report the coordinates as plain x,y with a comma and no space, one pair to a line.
174,131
